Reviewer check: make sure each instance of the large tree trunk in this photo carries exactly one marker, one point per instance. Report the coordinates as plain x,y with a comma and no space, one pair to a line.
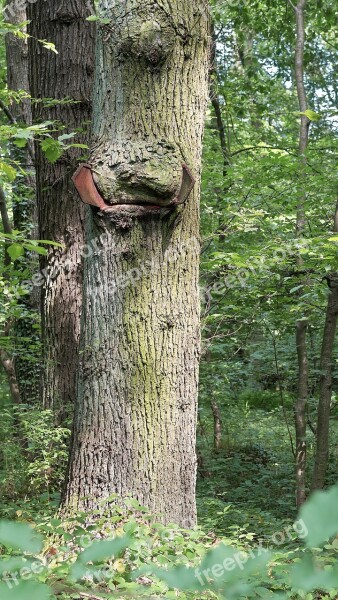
61,218
135,422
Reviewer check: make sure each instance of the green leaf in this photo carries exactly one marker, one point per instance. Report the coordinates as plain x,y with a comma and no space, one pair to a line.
77,146
93,18
312,115
20,143
26,590
320,515
12,564
52,149
38,249
66,136
48,46
9,171
97,552
50,243
15,251
306,576
20,536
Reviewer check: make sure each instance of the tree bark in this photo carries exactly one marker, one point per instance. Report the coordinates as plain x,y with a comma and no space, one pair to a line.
136,410
302,100
61,218
325,390
300,412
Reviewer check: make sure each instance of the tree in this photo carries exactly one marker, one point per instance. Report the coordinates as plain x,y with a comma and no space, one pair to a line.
326,384
136,407
26,363
302,323
64,79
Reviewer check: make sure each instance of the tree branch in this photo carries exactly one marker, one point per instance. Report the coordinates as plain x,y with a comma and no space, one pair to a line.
260,148
8,113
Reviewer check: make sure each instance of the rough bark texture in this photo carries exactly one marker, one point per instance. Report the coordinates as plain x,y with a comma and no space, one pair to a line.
300,412
136,409
61,217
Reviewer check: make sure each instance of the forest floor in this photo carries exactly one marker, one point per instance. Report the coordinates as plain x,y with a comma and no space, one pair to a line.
248,488
246,503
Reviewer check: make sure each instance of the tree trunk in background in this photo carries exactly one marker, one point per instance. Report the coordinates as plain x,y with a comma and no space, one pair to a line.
6,358
217,425
302,399
300,412
325,388
61,217
136,410
24,207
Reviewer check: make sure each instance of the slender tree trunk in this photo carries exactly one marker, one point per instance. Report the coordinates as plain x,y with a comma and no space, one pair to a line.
300,412
6,224
67,75
304,121
301,327
217,425
136,409
6,358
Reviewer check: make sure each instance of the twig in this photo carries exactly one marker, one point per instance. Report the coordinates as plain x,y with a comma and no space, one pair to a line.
90,596
292,4
261,148
13,120
8,113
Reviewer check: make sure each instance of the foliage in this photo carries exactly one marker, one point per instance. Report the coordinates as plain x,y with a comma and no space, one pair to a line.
33,455
125,552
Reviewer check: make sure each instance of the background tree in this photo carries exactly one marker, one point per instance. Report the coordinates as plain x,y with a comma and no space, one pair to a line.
65,78
26,363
